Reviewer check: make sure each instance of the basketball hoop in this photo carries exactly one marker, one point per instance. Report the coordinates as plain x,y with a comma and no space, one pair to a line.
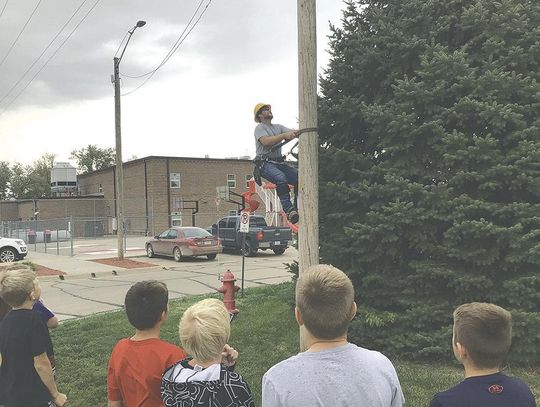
223,192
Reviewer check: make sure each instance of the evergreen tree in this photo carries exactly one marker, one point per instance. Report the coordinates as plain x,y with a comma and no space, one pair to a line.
430,167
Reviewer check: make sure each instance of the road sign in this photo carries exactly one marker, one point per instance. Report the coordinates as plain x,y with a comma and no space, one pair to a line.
244,222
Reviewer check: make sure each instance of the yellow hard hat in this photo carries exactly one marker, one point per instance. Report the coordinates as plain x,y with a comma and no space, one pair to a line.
258,107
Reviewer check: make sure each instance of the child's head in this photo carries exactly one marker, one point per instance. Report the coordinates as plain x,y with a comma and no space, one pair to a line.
146,303
485,331
18,284
205,329
325,299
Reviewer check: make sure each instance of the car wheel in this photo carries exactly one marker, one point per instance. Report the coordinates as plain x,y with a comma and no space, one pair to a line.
211,256
150,251
177,253
247,250
279,250
7,255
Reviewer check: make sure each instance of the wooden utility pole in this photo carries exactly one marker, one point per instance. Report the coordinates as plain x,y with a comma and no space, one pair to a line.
308,233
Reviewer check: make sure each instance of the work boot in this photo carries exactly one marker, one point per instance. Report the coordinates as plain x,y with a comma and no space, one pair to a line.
293,216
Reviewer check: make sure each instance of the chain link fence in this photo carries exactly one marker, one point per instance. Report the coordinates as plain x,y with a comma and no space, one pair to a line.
71,235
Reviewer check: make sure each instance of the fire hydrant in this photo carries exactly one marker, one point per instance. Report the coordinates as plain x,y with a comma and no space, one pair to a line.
228,289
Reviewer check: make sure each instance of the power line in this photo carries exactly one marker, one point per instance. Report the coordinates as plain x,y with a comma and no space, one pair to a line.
174,48
3,8
43,52
20,33
51,57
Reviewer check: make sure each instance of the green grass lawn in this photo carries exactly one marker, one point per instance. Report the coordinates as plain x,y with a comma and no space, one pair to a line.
264,333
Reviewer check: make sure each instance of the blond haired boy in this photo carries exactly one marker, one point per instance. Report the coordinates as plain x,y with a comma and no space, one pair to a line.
205,379
26,376
330,371
482,336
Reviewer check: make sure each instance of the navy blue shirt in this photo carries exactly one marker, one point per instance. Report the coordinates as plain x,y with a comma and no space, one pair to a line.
495,390
23,335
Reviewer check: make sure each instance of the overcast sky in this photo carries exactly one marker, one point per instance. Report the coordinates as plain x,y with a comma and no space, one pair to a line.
199,103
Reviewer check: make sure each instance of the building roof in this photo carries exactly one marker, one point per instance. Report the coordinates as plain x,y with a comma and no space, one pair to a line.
157,157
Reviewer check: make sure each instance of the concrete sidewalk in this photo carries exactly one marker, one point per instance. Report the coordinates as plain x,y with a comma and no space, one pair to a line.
88,287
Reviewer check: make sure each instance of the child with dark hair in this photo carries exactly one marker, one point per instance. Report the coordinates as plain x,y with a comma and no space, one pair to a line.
482,336
137,363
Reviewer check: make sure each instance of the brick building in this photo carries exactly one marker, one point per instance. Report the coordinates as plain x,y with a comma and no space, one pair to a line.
158,192
163,191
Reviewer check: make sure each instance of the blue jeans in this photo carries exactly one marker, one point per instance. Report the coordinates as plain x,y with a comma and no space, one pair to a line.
281,174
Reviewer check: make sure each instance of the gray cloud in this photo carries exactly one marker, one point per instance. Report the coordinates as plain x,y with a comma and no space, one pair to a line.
234,36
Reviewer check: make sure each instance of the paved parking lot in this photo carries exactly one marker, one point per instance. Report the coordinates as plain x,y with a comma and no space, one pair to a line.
79,294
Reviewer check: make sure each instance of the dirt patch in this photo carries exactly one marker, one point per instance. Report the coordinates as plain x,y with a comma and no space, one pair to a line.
46,271
125,263
39,269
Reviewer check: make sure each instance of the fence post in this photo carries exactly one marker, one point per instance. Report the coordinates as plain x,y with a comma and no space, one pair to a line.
70,227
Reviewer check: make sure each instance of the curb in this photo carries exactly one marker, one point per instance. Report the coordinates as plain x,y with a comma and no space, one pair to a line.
96,274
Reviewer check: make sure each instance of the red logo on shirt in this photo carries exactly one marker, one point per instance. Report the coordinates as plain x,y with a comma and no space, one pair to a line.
496,389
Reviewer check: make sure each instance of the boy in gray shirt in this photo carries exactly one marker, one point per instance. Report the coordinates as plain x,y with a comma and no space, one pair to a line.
330,371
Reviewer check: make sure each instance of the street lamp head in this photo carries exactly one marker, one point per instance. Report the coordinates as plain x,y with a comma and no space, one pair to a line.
140,23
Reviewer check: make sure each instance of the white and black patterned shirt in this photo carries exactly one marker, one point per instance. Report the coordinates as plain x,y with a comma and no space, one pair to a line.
215,386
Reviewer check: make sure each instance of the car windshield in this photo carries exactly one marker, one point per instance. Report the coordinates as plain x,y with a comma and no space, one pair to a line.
196,232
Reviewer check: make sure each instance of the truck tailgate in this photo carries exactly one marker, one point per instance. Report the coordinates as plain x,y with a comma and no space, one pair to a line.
277,234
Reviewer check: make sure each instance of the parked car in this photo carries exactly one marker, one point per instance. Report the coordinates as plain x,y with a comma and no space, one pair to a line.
260,236
180,242
12,249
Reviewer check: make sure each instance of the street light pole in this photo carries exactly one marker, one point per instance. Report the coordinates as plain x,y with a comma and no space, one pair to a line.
119,170
118,139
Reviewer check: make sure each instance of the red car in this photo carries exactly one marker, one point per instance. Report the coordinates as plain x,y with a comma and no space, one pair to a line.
180,242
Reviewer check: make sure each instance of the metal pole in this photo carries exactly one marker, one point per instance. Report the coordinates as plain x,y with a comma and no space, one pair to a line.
119,169
71,229
308,188
243,261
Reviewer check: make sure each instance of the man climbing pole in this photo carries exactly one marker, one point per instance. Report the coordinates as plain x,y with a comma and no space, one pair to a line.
270,162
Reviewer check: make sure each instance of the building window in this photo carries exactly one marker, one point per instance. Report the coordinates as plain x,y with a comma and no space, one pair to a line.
248,177
177,203
176,219
175,180
232,212
100,188
231,180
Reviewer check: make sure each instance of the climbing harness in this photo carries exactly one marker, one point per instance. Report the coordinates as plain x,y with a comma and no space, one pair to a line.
261,159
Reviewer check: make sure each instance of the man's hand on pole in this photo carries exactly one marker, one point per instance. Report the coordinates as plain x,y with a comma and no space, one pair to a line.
290,135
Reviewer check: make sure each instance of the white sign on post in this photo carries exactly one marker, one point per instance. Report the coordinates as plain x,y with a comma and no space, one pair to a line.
244,222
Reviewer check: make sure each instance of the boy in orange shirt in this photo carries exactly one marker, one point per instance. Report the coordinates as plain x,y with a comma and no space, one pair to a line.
137,363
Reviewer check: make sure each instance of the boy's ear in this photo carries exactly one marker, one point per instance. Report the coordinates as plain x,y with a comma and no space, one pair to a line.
164,315
298,316
461,351
354,310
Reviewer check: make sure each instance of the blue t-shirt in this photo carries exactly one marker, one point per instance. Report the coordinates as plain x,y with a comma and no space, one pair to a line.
495,390
45,313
